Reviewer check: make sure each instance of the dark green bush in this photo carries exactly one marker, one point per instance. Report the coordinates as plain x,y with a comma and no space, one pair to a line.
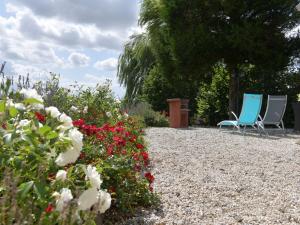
212,100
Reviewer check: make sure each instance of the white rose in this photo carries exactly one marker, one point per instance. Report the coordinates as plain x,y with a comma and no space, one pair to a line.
7,138
66,122
53,111
76,138
108,114
104,199
67,157
93,176
37,106
31,93
61,175
20,106
74,109
85,109
23,123
87,199
63,198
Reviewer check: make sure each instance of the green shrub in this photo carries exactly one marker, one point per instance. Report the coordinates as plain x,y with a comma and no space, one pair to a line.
149,116
113,144
212,100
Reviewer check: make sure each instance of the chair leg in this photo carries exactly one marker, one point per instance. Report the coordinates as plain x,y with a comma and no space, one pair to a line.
283,128
244,130
263,128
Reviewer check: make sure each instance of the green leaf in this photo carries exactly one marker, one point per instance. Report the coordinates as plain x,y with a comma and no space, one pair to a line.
13,112
25,188
51,135
2,106
39,189
32,101
44,129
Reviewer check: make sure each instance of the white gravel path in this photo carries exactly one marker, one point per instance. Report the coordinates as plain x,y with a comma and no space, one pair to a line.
205,176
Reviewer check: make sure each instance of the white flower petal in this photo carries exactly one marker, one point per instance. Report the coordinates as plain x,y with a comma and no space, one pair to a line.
31,93
53,111
104,201
61,175
63,198
67,157
93,176
87,199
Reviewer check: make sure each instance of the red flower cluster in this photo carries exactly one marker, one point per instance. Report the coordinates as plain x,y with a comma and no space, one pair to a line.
49,208
149,177
40,117
118,141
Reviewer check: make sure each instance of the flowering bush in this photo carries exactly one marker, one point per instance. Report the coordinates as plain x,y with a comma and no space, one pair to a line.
41,150
56,162
113,141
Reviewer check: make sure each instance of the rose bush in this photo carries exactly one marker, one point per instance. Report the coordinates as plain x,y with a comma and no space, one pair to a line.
39,154
69,156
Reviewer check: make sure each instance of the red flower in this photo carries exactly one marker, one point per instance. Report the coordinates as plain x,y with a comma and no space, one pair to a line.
137,168
124,152
145,156
49,208
100,137
150,188
78,123
119,129
110,150
139,146
149,177
119,141
4,126
135,156
40,117
82,155
120,124
127,134
112,190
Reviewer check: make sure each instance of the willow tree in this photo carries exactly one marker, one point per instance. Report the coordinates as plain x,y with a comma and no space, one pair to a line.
135,64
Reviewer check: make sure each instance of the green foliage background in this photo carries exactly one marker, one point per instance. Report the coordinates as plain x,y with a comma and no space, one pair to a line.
187,39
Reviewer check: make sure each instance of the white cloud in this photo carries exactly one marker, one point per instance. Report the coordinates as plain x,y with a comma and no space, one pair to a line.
109,64
35,73
105,14
79,59
41,36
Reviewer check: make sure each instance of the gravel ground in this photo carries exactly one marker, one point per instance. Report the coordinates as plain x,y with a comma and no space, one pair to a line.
207,176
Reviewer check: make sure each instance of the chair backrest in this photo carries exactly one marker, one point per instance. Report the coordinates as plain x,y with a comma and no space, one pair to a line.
251,109
275,109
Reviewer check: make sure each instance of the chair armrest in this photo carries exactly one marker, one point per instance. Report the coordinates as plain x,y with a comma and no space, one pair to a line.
234,115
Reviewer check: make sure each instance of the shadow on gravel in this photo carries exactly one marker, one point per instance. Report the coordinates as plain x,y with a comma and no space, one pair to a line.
271,134
145,217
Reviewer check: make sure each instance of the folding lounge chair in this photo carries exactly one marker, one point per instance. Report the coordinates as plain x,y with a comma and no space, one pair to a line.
249,114
274,113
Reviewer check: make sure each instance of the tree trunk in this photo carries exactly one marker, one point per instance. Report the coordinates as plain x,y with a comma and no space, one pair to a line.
234,93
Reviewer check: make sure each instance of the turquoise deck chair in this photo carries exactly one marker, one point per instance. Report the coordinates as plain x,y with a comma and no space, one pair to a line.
249,114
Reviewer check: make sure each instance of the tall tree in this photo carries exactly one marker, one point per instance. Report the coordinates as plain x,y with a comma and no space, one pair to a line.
237,32
135,64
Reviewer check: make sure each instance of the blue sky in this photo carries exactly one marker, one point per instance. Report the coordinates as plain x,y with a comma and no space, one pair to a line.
80,40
